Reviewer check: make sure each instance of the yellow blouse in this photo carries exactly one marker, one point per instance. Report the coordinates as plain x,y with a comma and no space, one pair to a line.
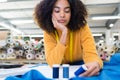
83,48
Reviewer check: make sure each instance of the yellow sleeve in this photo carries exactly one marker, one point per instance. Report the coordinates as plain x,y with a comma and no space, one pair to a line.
54,51
88,45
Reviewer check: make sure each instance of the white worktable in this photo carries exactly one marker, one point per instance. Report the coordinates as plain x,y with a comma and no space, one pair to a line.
44,69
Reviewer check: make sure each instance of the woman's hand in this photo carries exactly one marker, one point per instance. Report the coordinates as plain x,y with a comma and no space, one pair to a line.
62,28
93,69
57,25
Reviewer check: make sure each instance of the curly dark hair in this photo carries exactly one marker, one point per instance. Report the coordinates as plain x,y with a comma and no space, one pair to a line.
43,15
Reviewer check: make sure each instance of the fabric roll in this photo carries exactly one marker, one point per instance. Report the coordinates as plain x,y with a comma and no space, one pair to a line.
27,52
9,41
10,50
19,53
118,44
37,56
26,47
3,56
11,56
43,52
40,56
29,56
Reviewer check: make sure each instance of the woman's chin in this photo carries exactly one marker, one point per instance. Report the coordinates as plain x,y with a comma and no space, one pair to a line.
64,24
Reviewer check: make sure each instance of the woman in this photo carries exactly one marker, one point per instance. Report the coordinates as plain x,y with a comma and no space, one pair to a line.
67,37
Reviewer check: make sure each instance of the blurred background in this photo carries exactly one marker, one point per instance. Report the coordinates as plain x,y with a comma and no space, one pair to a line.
21,38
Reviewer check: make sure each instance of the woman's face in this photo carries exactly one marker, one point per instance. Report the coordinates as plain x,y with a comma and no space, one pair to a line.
62,12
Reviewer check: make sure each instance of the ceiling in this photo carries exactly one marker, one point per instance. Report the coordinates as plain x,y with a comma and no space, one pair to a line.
18,14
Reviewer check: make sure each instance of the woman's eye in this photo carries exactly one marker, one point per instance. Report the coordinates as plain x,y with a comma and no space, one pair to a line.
56,10
67,10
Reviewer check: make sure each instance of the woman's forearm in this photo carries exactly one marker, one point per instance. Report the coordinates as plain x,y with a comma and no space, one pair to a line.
64,36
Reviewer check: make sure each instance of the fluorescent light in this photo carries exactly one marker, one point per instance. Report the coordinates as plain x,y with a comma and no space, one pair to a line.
101,41
111,25
41,35
11,28
116,34
21,21
36,36
105,17
3,0
97,34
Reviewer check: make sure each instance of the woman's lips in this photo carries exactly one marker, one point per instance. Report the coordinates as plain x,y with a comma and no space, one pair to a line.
61,21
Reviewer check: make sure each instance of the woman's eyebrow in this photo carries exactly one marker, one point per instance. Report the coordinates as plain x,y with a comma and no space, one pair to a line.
67,7
56,7
59,7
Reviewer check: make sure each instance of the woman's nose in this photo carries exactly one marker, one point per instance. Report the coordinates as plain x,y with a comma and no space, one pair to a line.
62,14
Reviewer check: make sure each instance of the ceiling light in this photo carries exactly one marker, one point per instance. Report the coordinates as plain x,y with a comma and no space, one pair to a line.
41,35
36,35
111,25
97,34
11,28
21,21
3,0
116,34
105,17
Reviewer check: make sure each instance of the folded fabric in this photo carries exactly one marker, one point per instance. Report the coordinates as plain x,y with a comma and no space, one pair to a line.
110,70
30,75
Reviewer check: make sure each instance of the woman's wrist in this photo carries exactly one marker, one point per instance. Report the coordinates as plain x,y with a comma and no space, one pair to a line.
65,31
64,36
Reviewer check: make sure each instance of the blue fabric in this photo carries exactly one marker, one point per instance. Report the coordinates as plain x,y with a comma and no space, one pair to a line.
110,70
34,74
30,75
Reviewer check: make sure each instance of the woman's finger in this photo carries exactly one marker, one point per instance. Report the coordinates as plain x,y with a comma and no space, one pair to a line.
94,72
54,22
88,71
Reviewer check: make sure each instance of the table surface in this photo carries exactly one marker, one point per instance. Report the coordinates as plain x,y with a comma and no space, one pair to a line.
43,68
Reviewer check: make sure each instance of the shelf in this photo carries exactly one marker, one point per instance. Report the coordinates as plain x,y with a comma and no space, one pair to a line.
23,61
